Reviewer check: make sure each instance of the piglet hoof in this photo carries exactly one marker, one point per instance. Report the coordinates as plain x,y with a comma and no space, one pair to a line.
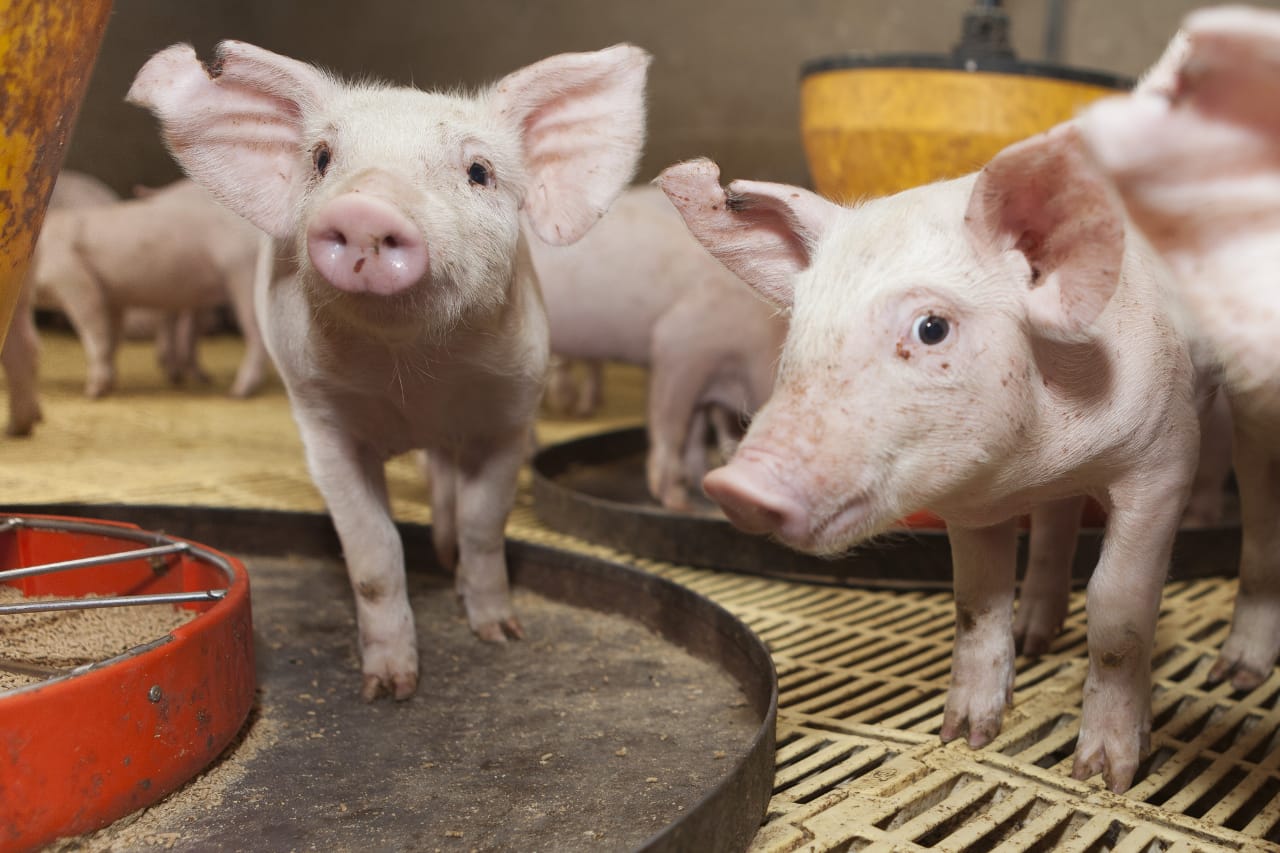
676,499
500,632
976,712
1115,760
1042,608
390,668
978,724
1112,748
1243,676
1035,627
398,687
242,389
98,387
22,424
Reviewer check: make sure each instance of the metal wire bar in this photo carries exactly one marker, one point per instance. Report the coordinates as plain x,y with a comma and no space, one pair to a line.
87,562
112,601
34,670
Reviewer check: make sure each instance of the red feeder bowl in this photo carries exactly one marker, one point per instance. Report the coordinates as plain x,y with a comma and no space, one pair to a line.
84,748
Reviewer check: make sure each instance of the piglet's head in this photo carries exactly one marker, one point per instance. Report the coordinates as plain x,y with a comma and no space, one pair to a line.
917,323
404,204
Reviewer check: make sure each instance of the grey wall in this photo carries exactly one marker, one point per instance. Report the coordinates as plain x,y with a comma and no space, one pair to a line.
724,81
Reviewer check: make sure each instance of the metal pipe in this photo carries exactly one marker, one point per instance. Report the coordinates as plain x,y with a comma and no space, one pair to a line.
87,562
60,604
1053,29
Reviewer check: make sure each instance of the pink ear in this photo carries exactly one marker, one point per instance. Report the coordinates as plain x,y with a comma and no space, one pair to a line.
1162,77
235,127
764,233
581,119
1232,68
1043,198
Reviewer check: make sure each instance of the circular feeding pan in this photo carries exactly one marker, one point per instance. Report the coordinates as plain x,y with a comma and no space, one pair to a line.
82,745
635,714
594,488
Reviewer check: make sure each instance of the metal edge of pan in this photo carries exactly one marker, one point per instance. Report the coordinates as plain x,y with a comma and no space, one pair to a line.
966,63
909,559
727,817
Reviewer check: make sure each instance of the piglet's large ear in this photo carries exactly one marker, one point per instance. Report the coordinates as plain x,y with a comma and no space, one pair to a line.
1044,198
764,233
581,121
235,126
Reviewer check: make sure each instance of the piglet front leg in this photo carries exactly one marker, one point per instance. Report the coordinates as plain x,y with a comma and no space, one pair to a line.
983,564
1123,603
352,480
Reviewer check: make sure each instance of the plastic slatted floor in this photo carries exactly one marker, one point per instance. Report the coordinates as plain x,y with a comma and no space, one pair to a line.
862,674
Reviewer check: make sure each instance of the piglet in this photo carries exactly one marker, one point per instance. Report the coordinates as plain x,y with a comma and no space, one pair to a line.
414,320
978,347
21,353
639,289
173,251
1196,158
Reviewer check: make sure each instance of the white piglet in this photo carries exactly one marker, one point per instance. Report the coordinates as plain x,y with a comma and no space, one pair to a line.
979,347
414,320
1196,159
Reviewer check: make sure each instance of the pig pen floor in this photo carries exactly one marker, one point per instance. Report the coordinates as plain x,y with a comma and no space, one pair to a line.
862,674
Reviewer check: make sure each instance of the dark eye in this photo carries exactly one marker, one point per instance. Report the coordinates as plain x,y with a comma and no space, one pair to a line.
931,329
321,157
479,174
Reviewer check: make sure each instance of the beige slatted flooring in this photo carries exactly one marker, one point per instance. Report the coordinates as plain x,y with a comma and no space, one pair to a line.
862,674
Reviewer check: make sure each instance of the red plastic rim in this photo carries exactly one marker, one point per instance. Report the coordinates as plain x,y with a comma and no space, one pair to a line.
83,749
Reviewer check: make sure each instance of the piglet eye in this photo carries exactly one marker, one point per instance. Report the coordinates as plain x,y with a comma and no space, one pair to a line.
479,174
320,157
931,329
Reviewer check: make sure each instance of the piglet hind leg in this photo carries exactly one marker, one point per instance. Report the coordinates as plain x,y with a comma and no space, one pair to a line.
1046,586
486,486
1123,603
1249,653
441,473
353,482
983,562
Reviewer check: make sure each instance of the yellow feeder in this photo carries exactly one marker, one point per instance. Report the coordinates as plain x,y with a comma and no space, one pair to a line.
47,49
877,124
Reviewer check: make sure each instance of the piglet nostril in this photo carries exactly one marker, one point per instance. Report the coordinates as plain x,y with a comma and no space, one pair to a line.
360,243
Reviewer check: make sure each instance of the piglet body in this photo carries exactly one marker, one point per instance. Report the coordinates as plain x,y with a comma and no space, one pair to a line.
1196,158
414,319
176,250
981,348
638,288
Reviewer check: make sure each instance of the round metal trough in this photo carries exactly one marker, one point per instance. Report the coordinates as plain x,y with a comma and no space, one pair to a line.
82,747
497,749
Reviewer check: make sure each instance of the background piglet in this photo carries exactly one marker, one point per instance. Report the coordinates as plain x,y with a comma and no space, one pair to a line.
414,320
1196,159
173,251
21,352
639,289
978,348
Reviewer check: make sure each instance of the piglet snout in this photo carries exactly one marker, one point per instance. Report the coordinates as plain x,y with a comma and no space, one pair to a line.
362,244
753,501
